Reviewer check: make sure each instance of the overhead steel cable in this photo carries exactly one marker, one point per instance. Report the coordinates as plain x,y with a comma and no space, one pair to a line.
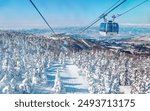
106,11
42,17
116,5
112,6
132,8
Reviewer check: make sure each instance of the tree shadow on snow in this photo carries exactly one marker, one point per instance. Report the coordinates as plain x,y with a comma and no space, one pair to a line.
75,90
50,80
66,78
71,84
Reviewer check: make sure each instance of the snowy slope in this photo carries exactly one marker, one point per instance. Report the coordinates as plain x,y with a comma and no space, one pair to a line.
39,64
76,83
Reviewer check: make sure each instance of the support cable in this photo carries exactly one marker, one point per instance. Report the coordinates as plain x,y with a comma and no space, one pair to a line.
132,8
42,17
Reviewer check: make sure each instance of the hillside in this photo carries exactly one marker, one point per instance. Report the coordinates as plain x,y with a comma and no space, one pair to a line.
39,64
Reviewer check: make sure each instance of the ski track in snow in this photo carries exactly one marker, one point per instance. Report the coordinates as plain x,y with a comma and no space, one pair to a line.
70,78
75,83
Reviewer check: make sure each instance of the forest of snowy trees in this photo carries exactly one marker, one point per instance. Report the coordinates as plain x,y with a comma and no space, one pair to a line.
25,58
107,70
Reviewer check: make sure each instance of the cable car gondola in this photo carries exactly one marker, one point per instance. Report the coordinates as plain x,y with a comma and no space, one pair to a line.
109,28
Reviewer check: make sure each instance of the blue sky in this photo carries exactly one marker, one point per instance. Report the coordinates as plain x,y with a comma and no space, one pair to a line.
20,13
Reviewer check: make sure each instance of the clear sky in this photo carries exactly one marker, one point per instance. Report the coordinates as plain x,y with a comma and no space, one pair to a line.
20,13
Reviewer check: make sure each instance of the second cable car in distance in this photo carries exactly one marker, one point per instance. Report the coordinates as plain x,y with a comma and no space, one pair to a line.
109,28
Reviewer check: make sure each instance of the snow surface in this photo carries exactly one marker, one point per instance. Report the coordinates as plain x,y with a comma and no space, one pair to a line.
125,89
75,83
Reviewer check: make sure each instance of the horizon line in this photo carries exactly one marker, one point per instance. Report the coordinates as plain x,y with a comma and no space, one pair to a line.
60,26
